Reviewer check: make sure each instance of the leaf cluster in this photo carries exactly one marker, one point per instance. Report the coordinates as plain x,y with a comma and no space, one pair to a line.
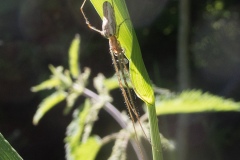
69,85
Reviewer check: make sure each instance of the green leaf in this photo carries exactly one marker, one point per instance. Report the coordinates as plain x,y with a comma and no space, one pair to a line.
7,152
195,101
78,147
111,83
76,127
64,77
138,74
89,149
120,146
128,40
71,98
48,84
57,71
47,104
73,56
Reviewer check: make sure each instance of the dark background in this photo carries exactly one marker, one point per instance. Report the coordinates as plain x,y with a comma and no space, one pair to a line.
36,33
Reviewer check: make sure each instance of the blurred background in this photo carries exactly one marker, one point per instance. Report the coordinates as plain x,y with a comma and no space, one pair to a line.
185,45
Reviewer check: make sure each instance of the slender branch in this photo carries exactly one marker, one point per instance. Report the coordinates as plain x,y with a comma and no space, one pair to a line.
111,109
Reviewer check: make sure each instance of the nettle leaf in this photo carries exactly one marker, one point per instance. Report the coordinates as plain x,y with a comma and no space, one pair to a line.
78,147
48,84
73,56
195,101
63,76
47,104
89,149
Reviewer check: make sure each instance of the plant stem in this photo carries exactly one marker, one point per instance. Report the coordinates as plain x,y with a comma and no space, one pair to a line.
154,132
116,115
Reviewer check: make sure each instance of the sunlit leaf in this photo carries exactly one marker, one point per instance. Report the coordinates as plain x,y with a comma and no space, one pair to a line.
47,104
55,70
120,146
72,98
195,101
76,127
128,40
62,75
111,83
48,84
77,147
137,71
73,56
88,150
85,75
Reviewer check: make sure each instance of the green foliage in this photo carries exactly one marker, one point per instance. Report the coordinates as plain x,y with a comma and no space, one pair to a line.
111,83
89,149
79,145
128,40
66,88
73,55
137,71
47,104
60,80
48,84
69,85
7,152
119,148
194,101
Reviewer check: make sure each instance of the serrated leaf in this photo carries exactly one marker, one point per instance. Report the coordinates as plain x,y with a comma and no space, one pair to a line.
64,77
195,101
128,40
47,104
7,152
71,99
76,127
76,146
120,146
73,56
55,70
88,150
111,83
48,84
